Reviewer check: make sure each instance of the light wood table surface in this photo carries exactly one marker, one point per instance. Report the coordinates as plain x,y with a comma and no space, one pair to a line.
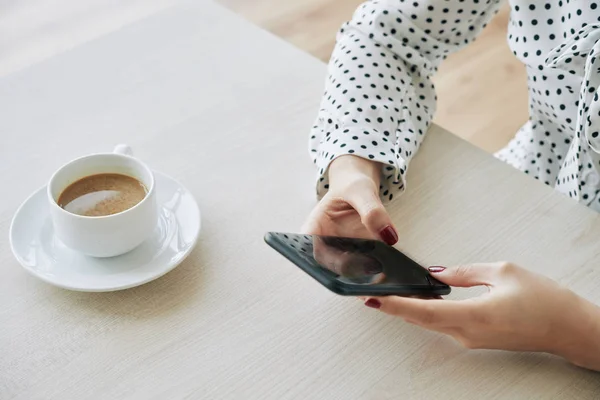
225,108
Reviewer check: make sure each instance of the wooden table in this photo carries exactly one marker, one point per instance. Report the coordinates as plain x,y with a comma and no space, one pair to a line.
225,108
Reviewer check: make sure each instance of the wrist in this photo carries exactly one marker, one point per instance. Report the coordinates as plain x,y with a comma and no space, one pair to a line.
348,168
579,341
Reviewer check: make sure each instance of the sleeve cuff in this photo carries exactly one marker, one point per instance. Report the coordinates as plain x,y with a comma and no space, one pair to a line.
367,143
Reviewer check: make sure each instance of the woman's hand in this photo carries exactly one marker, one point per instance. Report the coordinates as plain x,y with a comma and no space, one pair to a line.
352,207
521,311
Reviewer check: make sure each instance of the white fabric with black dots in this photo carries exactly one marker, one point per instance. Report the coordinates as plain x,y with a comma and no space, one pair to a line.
379,98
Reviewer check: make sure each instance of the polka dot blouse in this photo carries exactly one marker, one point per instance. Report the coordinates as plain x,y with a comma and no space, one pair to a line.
379,98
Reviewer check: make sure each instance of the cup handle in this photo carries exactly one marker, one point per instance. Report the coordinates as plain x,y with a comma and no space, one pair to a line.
123,149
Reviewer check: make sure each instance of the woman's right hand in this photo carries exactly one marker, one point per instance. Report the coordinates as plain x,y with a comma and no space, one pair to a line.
520,311
352,207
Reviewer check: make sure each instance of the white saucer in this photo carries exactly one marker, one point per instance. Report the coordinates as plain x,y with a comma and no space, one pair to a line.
34,245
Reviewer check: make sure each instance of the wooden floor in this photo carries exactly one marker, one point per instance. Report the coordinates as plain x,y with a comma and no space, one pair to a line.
482,89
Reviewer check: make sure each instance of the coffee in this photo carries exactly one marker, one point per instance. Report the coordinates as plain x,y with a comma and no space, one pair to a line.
102,194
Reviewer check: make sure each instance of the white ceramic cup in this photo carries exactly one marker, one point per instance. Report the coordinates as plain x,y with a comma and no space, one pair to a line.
109,235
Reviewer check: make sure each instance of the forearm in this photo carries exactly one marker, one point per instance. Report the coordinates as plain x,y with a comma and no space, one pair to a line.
582,344
379,98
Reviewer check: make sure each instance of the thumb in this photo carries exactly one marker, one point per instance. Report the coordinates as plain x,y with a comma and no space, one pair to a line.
465,275
373,215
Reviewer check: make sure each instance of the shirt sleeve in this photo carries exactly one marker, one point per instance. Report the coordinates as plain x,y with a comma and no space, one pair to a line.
379,98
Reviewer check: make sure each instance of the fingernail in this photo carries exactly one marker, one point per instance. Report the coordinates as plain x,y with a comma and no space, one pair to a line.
436,269
389,235
373,303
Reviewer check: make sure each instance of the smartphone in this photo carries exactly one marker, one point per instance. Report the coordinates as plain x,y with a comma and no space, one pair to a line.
356,267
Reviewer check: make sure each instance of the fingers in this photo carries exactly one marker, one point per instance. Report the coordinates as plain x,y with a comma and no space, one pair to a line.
312,225
373,214
467,275
426,313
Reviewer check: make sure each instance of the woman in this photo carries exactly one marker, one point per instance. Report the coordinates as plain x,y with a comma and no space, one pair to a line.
377,106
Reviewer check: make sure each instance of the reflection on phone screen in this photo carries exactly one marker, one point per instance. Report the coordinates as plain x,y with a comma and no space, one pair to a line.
356,261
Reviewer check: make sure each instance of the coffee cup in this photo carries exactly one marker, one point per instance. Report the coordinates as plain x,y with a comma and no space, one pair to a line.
104,235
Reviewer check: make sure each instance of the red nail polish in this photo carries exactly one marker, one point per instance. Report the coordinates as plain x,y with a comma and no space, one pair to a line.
389,235
373,303
436,269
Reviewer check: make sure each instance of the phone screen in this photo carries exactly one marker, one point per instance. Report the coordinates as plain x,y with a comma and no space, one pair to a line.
352,261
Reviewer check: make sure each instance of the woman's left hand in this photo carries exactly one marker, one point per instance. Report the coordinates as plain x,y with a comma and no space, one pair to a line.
521,311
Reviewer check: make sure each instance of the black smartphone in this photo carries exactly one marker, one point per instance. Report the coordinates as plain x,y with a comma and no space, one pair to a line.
356,267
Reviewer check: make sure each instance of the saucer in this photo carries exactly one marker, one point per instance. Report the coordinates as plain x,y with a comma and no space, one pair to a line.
35,246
